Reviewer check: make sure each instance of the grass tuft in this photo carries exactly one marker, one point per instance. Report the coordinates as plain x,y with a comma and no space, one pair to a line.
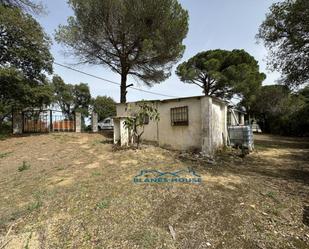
103,204
95,173
24,166
34,205
146,239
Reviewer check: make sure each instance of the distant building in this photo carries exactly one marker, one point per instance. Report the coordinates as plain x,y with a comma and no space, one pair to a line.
235,116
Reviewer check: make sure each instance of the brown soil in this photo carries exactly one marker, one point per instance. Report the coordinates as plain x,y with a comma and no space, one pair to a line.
76,191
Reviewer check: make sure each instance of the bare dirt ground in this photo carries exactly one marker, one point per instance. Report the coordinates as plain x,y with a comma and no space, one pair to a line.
76,191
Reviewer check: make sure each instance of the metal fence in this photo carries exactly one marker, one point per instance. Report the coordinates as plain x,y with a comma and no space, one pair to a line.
42,121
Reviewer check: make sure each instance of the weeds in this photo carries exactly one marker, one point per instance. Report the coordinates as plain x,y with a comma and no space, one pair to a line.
34,205
5,154
24,166
95,173
37,203
272,195
103,204
3,136
146,239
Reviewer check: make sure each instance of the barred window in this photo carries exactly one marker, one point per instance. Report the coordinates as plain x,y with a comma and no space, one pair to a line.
146,120
179,116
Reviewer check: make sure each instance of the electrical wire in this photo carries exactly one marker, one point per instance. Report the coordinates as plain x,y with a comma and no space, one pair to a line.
113,82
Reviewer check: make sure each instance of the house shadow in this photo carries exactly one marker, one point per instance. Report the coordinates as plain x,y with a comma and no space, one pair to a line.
107,136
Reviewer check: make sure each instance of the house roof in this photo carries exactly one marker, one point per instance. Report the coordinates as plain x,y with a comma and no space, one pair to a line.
230,107
183,98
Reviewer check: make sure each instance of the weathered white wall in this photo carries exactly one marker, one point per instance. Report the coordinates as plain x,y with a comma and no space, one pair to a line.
150,132
121,133
180,137
206,126
218,123
224,122
116,131
121,110
214,125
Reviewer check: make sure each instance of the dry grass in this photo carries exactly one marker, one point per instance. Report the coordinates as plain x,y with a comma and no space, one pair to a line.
79,193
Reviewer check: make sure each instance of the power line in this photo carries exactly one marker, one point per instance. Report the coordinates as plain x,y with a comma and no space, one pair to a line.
113,82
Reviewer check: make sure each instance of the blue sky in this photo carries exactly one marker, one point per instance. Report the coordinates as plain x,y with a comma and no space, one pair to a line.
213,24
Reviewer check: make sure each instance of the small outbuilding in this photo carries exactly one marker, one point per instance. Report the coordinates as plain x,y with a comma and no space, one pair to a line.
235,116
191,123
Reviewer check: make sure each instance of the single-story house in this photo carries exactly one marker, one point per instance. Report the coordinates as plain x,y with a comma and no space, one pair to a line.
191,123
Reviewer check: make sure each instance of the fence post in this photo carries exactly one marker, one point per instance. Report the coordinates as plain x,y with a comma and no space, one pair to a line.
94,122
17,122
78,122
50,120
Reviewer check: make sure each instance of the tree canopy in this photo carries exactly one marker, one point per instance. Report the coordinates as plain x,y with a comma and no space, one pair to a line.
281,111
24,60
23,44
25,5
285,32
17,91
141,38
222,73
104,106
71,98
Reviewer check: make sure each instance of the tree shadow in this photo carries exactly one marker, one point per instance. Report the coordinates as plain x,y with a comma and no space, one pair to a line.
4,137
108,134
295,172
290,164
287,166
306,215
298,143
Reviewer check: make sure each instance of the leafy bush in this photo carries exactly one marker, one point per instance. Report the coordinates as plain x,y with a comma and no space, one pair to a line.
5,128
140,115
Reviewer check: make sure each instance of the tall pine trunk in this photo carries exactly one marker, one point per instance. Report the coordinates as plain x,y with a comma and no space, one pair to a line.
123,88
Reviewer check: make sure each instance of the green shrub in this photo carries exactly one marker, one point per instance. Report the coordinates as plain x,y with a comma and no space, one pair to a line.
24,166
